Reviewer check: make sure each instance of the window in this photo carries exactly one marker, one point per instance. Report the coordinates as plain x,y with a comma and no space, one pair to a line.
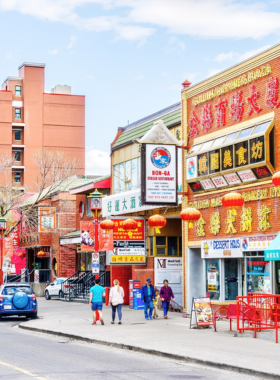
17,177
88,207
207,145
81,209
261,127
121,177
245,133
213,278
18,90
172,247
116,178
165,246
134,174
218,142
231,137
18,156
127,175
17,135
11,290
17,113
195,148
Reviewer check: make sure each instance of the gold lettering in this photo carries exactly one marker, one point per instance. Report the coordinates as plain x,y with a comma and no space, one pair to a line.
250,77
268,69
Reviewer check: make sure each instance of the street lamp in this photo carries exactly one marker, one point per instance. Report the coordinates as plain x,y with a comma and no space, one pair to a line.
3,227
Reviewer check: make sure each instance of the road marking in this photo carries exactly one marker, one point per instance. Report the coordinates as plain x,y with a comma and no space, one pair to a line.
23,371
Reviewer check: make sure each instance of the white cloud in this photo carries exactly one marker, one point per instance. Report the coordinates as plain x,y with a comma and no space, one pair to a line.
73,40
9,55
199,18
234,56
98,162
53,51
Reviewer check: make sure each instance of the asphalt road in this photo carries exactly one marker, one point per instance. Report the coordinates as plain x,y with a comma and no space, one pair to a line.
28,355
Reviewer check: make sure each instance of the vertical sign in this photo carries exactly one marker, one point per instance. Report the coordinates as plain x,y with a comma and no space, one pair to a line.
46,219
95,262
159,181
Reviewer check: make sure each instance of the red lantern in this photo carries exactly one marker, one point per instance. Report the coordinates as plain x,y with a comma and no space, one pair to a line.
21,255
41,254
129,224
157,222
276,179
233,200
190,215
107,225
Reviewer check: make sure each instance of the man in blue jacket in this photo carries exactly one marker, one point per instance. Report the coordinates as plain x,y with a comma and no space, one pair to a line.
148,296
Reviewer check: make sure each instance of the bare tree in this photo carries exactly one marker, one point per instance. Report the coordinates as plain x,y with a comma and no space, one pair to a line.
55,173
6,162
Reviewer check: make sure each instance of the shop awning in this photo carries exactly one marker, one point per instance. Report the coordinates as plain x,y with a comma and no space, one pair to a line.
272,252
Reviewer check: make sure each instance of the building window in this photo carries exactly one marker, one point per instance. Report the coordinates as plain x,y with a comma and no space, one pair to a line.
17,135
18,90
165,246
17,177
116,178
127,175
88,207
18,113
121,177
213,278
134,178
18,156
81,209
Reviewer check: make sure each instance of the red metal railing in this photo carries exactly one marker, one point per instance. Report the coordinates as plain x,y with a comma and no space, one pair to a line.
257,312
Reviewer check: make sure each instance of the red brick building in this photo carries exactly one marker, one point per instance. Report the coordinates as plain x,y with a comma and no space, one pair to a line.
231,127
30,118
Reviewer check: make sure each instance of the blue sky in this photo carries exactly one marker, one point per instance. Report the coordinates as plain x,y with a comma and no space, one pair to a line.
129,57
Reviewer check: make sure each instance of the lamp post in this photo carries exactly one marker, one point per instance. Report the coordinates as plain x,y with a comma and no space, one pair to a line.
3,227
95,208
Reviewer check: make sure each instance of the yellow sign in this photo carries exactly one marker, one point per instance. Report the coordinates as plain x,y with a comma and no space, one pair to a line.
257,150
227,159
199,227
229,222
215,223
264,218
233,84
240,152
246,220
128,259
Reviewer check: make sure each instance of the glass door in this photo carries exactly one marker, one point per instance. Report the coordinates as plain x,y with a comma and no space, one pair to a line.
231,279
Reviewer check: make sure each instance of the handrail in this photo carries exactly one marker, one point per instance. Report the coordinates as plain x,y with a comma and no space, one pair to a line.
18,277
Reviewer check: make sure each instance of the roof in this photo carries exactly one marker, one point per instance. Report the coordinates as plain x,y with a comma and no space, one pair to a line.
32,64
170,116
76,233
98,179
63,186
99,183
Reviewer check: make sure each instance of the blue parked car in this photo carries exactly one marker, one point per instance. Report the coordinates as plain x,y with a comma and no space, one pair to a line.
18,299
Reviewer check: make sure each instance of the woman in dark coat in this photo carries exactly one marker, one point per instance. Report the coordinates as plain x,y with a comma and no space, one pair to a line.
166,294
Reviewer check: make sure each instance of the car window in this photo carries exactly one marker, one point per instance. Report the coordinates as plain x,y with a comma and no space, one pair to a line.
11,290
60,281
55,282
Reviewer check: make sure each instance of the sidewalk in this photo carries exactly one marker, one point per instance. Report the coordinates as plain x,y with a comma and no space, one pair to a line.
172,338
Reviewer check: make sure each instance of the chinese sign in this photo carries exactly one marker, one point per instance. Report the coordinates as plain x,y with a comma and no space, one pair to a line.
8,247
257,243
119,233
202,163
159,164
46,216
215,249
238,82
130,260
131,251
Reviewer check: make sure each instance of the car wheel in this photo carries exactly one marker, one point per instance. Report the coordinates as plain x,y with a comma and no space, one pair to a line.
47,295
61,294
34,315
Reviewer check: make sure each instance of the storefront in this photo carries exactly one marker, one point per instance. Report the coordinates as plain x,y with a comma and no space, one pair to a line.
231,134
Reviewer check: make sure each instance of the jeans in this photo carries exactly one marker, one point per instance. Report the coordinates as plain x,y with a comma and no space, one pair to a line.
119,310
165,306
148,305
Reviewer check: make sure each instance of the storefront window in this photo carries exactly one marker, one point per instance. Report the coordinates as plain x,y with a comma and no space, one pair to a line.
213,278
277,277
85,261
172,246
258,275
231,279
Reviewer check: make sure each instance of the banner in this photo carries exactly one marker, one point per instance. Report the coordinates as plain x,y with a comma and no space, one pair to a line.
105,240
46,216
87,236
131,260
8,247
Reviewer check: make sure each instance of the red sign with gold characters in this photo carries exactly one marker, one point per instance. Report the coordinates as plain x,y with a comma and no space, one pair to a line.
119,233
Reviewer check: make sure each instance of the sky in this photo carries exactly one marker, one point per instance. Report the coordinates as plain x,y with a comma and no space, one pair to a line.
129,57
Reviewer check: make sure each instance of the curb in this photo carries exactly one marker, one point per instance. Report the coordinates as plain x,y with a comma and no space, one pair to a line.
187,359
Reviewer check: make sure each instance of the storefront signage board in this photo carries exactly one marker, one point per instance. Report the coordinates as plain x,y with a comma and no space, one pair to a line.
120,234
129,260
191,168
256,243
201,312
159,174
272,253
131,251
47,219
222,248
247,175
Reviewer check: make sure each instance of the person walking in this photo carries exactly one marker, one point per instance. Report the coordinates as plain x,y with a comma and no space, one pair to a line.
95,300
116,299
148,296
166,294
155,313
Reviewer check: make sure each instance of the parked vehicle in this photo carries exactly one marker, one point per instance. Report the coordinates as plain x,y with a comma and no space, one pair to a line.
54,289
18,299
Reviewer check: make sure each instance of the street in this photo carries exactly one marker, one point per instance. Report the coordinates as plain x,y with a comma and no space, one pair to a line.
29,355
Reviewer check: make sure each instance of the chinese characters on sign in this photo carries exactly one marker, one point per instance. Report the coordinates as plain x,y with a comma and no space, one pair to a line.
47,219
215,223
246,220
119,233
229,222
200,227
193,125
264,224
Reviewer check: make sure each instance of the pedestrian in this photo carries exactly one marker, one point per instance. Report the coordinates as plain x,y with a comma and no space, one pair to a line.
165,295
155,303
116,299
148,296
95,300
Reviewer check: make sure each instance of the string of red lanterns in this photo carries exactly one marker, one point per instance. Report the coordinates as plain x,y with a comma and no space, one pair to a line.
157,221
107,225
233,200
190,215
129,224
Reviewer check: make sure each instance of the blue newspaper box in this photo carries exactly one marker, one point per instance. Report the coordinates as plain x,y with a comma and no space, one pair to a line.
138,304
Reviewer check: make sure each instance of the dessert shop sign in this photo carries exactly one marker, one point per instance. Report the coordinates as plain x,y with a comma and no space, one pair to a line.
159,174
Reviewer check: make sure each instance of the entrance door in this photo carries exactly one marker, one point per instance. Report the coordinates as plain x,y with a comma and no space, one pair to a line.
231,279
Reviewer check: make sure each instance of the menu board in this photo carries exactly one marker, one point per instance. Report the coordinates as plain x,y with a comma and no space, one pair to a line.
203,311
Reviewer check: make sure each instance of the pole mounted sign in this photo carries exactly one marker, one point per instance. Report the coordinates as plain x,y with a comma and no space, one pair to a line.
159,167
